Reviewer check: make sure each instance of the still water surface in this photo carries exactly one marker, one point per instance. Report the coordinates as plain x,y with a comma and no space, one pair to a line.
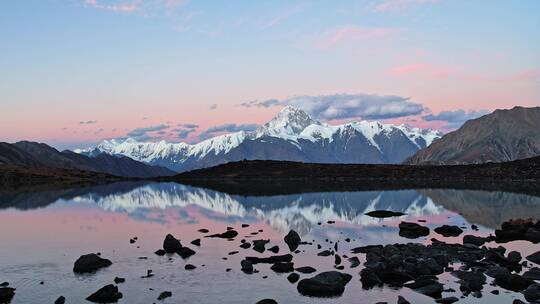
43,233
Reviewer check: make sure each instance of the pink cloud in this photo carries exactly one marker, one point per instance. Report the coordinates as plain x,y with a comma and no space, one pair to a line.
126,7
353,33
400,5
422,70
528,75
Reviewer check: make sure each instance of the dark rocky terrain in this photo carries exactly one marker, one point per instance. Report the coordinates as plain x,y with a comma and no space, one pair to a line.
501,136
17,177
39,156
521,170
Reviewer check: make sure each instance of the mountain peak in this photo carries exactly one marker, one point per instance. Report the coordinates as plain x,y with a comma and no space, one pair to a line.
289,121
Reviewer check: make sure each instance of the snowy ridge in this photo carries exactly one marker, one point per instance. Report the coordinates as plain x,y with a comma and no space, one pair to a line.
292,125
298,212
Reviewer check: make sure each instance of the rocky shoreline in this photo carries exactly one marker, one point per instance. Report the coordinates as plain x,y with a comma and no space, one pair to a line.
414,266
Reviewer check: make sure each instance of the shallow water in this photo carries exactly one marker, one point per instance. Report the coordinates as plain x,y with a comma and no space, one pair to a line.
43,233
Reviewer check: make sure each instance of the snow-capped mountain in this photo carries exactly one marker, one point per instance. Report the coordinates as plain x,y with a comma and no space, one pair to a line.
291,135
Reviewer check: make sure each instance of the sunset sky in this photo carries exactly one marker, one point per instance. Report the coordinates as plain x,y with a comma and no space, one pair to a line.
74,72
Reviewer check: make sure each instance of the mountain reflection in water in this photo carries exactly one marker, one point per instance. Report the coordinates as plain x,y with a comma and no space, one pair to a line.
293,211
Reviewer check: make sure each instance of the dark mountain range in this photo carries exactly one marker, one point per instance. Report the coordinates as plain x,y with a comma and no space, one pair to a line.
503,135
41,156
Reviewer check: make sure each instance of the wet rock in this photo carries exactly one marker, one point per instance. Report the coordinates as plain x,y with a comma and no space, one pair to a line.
293,277
245,225
164,295
330,222
160,252
90,263
306,269
402,300
149,274
292,239
171,244
412,230
271,259
427,286
535,257
60,300
470,280
118,280
475,240
532,274
185,252
369,278
106,294
190,267
283,267
514,230
532,293
245,245
517,301
448,300
132,241
267,301
247,266
4,284
337,259
232,253
448,230
513,257
6,294
203,230
259,245
384,213
325,253
513,282
196,242
230,228
366,249
274,249
229,234
355,262
325,284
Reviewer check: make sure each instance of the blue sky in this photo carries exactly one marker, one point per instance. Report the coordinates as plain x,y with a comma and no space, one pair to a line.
136,64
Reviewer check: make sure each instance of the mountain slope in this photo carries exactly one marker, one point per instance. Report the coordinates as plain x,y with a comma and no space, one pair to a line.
292,135
38,155
503,135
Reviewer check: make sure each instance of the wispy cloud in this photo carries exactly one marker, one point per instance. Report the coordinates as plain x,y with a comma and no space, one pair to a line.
421,70
386,6
261,104
115,6
184,130
455,118
346,106
87,122
227,128
352,34
142,134
527,75
284,15
212,106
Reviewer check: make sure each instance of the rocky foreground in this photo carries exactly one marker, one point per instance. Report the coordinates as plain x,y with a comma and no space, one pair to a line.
413,266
